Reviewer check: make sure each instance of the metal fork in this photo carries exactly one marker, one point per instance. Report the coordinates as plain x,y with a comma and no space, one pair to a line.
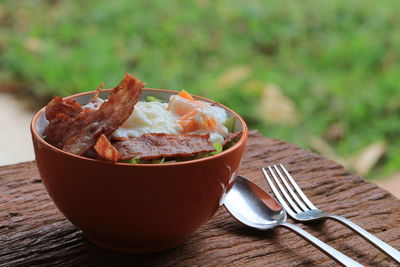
300,208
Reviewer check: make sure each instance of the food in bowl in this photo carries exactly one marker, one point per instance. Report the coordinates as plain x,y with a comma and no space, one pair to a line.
140,207
121,128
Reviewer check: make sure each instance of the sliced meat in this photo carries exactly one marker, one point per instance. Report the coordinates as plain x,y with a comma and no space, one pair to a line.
156,145
231,137
77,134
105,149
57,105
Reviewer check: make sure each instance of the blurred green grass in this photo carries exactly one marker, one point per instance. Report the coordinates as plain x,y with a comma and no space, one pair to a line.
335,62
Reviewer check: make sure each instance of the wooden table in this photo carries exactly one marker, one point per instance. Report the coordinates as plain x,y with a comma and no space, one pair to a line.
33,232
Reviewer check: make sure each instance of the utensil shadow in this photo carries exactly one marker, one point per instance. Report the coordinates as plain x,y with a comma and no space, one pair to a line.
268,239
273,238
322,229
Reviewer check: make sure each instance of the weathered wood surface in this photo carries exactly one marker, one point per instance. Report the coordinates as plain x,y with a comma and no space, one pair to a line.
33,232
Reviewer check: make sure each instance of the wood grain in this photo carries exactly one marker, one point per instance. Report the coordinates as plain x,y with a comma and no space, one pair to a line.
34,232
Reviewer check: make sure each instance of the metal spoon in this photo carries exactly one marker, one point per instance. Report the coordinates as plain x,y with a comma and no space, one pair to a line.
254,207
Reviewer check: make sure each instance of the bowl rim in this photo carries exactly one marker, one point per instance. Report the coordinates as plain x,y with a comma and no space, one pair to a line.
242,139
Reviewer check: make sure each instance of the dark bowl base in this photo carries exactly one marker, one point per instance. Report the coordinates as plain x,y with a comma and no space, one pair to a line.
135,248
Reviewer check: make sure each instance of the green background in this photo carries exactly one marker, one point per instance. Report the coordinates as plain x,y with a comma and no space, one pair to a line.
328,71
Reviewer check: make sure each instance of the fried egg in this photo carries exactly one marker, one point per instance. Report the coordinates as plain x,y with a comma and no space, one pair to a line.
148,117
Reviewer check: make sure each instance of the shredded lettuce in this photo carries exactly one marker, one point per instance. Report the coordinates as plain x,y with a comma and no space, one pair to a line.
229,145
153,99
141,161
218,149
230,124
131,161
134,161
158,161
199,156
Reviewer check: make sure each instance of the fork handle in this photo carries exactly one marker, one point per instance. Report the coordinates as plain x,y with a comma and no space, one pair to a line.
325,248
384,247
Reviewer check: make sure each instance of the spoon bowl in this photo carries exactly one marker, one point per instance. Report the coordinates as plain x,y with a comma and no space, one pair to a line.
254,207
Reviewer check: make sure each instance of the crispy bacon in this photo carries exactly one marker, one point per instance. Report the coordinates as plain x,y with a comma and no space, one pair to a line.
77,133
157,145
105,149
59,106
231,137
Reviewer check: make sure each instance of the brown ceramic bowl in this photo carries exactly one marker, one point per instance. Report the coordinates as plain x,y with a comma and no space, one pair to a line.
136,208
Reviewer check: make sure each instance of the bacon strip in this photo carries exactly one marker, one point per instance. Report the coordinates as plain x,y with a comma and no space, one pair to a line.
78,133
231,137
105,149
59,106
157,145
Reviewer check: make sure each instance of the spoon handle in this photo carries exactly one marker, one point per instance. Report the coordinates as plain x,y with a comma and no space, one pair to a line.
328,250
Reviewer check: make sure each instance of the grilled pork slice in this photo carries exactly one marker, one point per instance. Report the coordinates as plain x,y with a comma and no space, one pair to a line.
157,145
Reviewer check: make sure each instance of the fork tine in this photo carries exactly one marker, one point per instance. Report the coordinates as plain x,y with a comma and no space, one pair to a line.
283,190
298,190
277,194
289,188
